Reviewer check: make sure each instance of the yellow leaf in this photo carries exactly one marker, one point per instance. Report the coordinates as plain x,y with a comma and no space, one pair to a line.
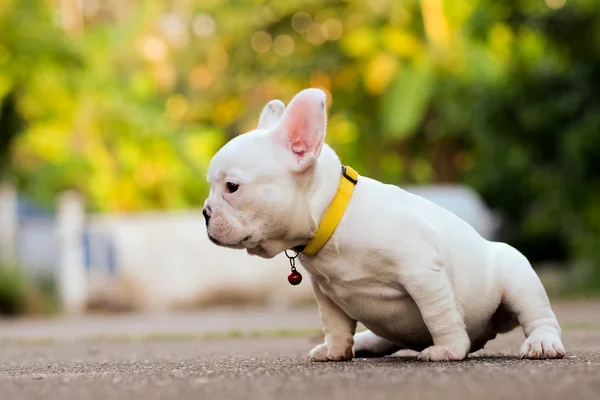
342,131
48,142
359,43
379,72
401,43
501,38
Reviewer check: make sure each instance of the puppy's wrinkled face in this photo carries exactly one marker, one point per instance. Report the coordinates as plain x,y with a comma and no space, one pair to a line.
257,179
249,192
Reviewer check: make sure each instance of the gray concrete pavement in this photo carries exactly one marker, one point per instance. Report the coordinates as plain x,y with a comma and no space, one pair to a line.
275,368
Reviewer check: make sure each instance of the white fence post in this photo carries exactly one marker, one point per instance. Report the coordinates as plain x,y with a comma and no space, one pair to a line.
72,279
8,225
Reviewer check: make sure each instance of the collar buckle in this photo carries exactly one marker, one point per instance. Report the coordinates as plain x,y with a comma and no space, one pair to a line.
351,176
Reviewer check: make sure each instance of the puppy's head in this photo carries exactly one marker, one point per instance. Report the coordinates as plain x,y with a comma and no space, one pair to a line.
258,180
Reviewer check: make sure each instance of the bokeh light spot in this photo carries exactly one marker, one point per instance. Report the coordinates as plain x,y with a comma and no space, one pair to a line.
320,80
301,22
200,77
334,28
204,25
176,107
283,45
261,41
556,4
153,48
315,34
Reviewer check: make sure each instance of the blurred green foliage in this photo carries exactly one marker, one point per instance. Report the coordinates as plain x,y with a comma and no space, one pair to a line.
127,101
13,296
20,294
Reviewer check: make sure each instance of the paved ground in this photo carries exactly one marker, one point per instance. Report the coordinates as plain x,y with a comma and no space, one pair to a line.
81,366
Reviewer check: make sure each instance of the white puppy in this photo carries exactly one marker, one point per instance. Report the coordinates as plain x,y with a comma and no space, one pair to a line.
417,276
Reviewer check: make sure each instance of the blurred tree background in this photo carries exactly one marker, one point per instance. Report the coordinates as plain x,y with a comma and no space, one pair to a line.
126,100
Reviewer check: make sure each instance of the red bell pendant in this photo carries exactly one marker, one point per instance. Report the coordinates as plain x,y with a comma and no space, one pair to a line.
295,277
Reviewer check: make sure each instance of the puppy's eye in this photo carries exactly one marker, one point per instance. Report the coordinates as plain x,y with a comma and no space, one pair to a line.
232,187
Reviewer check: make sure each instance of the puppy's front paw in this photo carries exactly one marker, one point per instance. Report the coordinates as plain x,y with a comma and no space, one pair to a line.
444,353
542,344
325,352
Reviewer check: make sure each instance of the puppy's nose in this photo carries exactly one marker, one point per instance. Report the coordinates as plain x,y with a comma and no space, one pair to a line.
207,212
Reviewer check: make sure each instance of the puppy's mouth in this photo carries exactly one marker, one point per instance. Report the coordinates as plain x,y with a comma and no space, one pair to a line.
239,245
214,240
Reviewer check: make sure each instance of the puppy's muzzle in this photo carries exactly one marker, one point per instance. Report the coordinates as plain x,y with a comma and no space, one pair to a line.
207,213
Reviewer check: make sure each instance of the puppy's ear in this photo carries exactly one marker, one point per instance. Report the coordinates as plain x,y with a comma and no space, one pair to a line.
301,130
271,114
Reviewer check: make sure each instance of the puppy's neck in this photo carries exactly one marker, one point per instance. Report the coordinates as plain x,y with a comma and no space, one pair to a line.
319,189
324,185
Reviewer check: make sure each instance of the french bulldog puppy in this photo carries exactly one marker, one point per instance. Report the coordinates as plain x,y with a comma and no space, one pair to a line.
417,276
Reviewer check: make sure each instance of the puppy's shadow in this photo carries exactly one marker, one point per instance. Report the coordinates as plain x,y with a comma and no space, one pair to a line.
498,359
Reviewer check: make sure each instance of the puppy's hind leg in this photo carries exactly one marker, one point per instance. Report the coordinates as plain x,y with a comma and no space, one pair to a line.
369,345
525,296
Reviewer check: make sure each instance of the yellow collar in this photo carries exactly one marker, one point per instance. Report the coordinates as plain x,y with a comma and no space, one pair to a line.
334,213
